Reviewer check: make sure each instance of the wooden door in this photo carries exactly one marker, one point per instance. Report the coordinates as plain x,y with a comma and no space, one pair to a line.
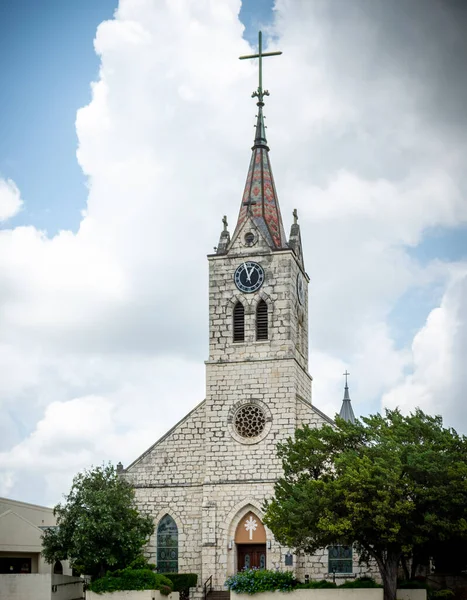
251,556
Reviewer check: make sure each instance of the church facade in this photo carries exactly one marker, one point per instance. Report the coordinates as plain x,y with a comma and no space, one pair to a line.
205,481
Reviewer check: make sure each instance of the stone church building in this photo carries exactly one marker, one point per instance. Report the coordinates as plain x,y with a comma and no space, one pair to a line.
205,480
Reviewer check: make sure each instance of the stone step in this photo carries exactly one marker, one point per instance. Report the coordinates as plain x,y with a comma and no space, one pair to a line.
219,595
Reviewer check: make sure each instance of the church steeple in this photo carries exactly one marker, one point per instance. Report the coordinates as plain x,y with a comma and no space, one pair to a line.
259,200
346,411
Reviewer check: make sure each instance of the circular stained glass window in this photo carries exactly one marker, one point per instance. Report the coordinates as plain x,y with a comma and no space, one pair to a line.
249,421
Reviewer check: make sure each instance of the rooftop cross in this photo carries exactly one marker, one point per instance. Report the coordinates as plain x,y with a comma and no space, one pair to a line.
260,92
346,375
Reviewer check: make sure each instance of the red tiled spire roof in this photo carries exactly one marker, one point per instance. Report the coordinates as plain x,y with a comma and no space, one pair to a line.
260,197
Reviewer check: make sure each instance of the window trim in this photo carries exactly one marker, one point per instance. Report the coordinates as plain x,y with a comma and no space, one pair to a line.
340,560
264,316
167,519
238,328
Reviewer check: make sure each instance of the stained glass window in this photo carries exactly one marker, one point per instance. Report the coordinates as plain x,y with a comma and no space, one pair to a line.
167,545
340,559
250,421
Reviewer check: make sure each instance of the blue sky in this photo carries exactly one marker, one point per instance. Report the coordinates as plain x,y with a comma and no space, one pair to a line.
47,62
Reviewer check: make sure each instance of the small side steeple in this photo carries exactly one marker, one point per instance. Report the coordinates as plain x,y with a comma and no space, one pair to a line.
295,240
346,412
224,239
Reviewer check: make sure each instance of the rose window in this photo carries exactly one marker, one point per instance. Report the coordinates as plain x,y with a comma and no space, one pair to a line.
250,421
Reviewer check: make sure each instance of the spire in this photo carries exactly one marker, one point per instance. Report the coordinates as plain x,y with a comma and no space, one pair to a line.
346,412
259,200
260,137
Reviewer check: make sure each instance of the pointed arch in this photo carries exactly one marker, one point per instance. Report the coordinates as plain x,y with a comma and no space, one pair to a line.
58,568
250,530
240,510
167,545
239,322
262,325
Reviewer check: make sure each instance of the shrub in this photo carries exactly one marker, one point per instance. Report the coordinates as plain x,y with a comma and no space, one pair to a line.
131,579
361,582
311,585
442,594
253,581
142,563
182,581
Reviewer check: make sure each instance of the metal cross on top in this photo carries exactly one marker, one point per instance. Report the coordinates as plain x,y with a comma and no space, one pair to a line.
260,92
346,375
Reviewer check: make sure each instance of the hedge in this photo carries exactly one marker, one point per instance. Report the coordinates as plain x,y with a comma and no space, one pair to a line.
253,581
182,581
132,579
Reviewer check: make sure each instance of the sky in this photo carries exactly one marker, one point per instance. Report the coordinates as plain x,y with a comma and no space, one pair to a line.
126,129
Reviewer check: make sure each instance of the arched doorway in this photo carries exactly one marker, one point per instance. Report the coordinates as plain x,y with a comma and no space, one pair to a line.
250,542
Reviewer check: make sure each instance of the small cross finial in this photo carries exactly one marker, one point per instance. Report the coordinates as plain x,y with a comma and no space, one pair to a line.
295,216
224,221
260,92
346,374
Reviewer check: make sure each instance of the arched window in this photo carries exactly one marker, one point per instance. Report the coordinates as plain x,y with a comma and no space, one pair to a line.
239,323
262,321
167,545
58,568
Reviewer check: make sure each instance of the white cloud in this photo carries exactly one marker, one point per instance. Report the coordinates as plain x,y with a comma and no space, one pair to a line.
10,199
104,332
439,378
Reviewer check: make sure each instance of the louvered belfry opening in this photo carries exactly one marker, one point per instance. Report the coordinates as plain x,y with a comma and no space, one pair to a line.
262,321
239,323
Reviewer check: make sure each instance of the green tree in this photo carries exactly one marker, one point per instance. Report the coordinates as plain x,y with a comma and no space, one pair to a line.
98,526
390,485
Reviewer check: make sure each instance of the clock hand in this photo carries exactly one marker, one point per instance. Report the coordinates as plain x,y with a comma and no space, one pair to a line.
246,271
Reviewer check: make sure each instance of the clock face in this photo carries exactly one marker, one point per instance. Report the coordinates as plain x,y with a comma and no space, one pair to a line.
300,289
249,277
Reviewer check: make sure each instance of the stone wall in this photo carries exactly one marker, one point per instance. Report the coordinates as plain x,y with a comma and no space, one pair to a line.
323,594
333,594
132,595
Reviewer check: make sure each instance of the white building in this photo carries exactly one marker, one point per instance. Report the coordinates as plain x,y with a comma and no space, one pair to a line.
23,570
21,527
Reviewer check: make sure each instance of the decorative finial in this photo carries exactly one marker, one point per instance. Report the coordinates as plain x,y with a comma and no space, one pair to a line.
260,93
295,216
224,221
346,374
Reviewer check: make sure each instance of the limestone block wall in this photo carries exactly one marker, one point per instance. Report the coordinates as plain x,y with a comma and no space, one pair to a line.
178,458
184,505
317,567
310,415
269,384
288,319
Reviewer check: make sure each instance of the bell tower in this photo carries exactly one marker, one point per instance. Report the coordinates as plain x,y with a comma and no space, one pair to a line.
258,287
258,389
